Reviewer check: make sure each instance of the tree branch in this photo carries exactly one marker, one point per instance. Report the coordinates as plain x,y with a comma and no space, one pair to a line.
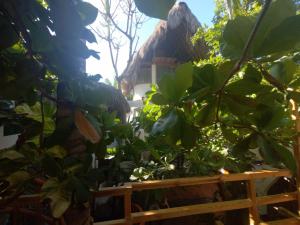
244,56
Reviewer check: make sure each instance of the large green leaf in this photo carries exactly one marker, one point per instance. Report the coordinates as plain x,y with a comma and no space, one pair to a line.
277,17
267,152
11,154
275,153
237,31
208,76
243,87
173,86
243,145
57,151
284,70
87,12
270,117
235,36
18,177
252,74
60,200
284,37
286,156
159,99
155,8
165,123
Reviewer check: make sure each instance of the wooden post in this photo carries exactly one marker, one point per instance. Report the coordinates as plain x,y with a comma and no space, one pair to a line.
127,205
297,147
153,73
253,211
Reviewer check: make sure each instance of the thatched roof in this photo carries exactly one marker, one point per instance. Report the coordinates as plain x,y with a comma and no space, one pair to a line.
170,39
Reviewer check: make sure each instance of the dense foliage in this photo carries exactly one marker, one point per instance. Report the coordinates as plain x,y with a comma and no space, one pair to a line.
60,113
217,112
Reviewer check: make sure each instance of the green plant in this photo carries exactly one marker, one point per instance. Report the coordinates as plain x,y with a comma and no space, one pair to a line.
242,92
62,115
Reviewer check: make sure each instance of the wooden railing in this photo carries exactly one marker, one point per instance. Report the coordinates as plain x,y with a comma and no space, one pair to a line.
251,202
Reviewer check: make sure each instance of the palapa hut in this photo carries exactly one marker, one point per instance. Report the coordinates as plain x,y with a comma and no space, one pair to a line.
169,45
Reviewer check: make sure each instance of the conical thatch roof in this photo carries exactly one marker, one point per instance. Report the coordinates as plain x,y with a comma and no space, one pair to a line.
170,39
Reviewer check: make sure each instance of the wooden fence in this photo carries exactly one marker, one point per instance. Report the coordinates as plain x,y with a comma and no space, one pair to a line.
251,202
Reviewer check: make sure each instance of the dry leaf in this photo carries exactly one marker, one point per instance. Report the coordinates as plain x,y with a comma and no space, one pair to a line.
86,128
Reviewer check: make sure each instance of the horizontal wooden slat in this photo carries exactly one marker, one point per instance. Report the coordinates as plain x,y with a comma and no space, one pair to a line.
170,183
190,181
29,199
271,199
291,221
112,222
161,214
260,174
112,191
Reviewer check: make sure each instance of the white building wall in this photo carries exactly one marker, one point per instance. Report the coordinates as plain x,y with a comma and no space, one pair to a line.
140,90
7,141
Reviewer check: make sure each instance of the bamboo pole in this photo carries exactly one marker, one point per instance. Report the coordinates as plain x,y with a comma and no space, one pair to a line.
127,204
253,211
297,147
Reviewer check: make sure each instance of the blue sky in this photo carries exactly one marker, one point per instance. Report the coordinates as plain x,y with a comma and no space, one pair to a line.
202,9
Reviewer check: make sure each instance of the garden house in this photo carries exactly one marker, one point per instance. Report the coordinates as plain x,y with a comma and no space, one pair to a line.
169,45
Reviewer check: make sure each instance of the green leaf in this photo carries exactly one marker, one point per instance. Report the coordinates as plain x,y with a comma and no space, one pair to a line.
87,12
59,204
282,37
235,35
17,178
237,31
155,8
243,145
208,77
229,134
165,123
158,99
173,86
275,153
284,70
189,135
11,154
243,87
207,113
267,152
286,156
60,200
252,74
88,35
57,151
239,105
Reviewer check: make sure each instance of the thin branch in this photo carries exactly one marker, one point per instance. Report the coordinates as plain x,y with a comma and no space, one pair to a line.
272,80
244,56
117,26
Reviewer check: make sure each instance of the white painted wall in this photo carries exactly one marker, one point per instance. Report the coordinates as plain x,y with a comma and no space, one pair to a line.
7,141
140,90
